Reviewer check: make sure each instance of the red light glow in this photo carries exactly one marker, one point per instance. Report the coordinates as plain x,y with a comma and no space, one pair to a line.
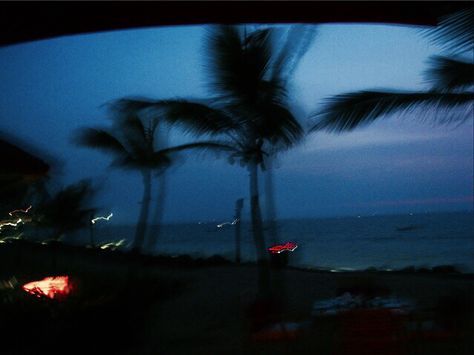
277,249
50,287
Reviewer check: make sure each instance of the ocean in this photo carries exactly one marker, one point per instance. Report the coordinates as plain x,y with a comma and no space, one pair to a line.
344,243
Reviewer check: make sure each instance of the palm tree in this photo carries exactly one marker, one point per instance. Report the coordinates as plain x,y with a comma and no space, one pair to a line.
449,100
64,212
293,48
132,143
161,180
248,111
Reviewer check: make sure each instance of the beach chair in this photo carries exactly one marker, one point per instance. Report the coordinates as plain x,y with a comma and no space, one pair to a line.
266,323
371,332
282,331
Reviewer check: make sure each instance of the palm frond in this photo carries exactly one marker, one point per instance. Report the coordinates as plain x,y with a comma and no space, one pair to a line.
134,133
348,111
447,74
194,117
140,110
278,125
126,162
238,61
455,32
282,59
205,146
132,105
197,118
297,43
132,124
225,55
258,51
99,139
139,162
68,209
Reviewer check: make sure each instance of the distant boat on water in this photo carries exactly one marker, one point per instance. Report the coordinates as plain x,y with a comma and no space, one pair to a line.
407,228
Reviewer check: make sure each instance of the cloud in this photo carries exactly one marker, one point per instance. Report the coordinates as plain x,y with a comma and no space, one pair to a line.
372,137
425,201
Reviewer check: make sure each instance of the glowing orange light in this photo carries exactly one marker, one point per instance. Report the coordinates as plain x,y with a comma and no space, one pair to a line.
50,287
277,249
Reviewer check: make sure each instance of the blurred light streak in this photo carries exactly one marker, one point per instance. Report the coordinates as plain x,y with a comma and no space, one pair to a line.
112,245
9,223
11,238
234,222
8,284
277,249
20,210
102,218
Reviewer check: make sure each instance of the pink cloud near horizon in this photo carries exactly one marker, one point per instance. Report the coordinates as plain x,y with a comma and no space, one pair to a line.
426,201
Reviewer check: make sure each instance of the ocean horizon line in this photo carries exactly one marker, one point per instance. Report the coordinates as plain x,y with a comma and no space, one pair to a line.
284,219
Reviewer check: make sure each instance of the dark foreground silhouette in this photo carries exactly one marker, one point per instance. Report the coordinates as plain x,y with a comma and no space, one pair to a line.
181,305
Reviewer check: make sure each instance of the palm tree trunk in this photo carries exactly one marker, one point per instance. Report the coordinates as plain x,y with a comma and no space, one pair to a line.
264,288
270,203
239,204
278,261
144,211
91,231
155,229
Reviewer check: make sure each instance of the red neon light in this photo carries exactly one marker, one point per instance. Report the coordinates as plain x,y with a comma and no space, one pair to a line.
277,249
50,287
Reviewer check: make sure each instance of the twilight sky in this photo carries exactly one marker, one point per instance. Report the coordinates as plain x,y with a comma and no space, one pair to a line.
51,87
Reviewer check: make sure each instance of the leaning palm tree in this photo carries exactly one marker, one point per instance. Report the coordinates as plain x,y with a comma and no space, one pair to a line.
248,111
132,143
449,100
161,179
297,42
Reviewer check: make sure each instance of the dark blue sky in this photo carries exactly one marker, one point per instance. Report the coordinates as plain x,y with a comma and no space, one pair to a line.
49,88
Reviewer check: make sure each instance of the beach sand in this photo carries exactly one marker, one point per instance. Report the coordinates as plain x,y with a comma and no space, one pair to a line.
208,313
210,318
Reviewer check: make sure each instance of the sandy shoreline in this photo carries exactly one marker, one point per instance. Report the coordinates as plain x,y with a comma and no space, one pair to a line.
209,313
214,307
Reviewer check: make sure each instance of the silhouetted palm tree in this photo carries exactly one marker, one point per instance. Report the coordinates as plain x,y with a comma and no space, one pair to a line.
449,100
132,143
161,179
64,212
249,110
293,48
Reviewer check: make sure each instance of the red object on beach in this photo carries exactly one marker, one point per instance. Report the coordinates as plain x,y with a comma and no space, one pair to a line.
277,249
51,287
371,332
276,332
